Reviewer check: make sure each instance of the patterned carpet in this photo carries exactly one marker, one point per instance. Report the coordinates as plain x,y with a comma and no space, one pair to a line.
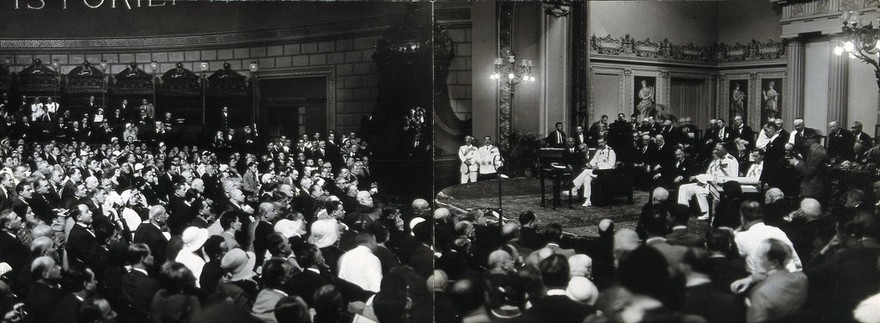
520,195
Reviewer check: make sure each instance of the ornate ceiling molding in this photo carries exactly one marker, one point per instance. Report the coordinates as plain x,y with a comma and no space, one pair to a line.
346,29
666,50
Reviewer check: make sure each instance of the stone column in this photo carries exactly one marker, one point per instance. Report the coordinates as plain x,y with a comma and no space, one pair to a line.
838,71
793,101
555,73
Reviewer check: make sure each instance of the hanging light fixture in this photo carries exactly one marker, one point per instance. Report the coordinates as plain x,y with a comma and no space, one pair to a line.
859,41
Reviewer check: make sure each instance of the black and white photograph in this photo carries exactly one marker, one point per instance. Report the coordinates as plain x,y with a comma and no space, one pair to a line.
440,161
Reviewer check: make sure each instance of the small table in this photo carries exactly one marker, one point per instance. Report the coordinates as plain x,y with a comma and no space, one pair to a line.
558,176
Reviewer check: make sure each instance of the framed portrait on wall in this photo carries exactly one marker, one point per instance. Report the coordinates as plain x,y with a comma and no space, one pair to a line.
739,104
771,98
644,98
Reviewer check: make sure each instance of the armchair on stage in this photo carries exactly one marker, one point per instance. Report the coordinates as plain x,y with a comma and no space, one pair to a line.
611,184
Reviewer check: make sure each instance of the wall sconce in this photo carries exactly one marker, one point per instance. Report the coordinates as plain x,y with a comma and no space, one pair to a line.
154,66
7,61
254,67
103,65
204,66
55,65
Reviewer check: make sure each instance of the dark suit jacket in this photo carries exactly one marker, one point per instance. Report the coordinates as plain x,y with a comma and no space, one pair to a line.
153,237
865,139
713,304
681,237
845,279
574,159
840,145
40,301
138,290
553,141
774,157
556,309
66,309
12,251
812,169
744,133
799,137
82,247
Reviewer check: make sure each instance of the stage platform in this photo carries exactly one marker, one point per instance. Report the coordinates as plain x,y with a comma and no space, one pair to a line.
520,195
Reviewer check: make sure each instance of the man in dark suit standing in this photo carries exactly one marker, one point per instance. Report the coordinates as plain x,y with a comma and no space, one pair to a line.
840,143
774,157
138,287
812,168
150,233
555,305
556,139
82,246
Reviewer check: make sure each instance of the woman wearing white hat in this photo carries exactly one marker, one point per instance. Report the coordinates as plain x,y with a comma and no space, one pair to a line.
191,254
325,235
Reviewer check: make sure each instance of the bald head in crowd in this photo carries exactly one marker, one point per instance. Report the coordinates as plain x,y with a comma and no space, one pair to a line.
659,196
441,214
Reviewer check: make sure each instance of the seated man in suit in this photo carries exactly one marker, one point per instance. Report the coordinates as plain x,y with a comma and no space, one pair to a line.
796,137
603,159
723,165
676,171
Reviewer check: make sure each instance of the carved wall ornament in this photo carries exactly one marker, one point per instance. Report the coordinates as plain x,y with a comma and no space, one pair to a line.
797,10
627,71
753,75
664,74
847,4
667,50
822,6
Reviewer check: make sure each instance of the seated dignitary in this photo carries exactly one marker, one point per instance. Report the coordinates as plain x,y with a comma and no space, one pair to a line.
603,159
723,165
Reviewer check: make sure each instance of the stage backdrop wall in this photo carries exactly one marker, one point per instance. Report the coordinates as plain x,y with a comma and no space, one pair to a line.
346,47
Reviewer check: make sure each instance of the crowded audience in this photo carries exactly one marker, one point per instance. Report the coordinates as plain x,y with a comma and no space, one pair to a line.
740,226
114,220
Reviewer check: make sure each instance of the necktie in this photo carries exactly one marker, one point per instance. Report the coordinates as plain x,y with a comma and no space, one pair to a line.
558,137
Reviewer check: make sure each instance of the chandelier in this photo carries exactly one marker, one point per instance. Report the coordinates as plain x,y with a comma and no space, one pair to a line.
859,41
511,72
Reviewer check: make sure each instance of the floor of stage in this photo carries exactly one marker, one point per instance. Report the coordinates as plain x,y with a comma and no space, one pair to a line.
520,195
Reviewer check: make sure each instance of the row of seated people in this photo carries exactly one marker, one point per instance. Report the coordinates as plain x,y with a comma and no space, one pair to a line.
777,262
150,231
653,159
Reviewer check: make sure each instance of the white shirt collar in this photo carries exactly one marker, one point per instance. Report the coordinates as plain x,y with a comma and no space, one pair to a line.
140,270
556,292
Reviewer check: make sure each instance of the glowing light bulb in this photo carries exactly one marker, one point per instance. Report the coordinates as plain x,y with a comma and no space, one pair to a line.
510,76
838,50
849,46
